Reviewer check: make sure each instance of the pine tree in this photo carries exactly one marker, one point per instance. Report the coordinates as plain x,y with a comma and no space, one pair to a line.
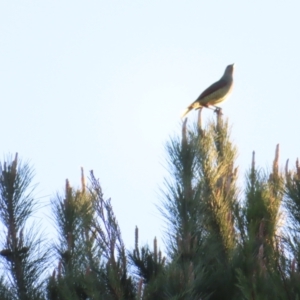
23,257
76,251
199,209
261,274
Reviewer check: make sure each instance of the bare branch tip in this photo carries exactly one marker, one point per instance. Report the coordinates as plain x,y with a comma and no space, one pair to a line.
83,183
287,167
253,160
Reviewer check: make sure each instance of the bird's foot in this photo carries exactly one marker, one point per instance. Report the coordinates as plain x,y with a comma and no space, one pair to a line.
218,110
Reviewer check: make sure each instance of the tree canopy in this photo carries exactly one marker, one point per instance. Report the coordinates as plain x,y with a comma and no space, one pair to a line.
223,241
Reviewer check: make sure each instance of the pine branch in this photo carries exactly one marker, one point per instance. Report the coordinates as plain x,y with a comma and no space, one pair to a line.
110,242
23,258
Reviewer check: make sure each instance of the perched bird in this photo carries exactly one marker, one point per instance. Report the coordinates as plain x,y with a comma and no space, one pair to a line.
214,94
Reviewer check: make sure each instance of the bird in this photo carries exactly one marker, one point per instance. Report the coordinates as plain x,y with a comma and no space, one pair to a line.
215,93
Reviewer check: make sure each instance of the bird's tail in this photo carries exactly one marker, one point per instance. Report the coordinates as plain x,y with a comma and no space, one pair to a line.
186,111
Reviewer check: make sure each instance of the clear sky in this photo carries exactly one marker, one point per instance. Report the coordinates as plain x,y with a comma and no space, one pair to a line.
102,84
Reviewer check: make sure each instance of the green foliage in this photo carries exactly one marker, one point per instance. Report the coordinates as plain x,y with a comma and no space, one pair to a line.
221,243
89,241
22,257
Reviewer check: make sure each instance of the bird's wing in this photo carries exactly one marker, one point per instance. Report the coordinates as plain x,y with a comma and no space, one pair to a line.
213,88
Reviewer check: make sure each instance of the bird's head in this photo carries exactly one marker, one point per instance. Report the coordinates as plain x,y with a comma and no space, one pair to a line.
229,69
228,74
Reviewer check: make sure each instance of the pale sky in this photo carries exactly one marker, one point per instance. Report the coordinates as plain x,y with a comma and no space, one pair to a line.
102,84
